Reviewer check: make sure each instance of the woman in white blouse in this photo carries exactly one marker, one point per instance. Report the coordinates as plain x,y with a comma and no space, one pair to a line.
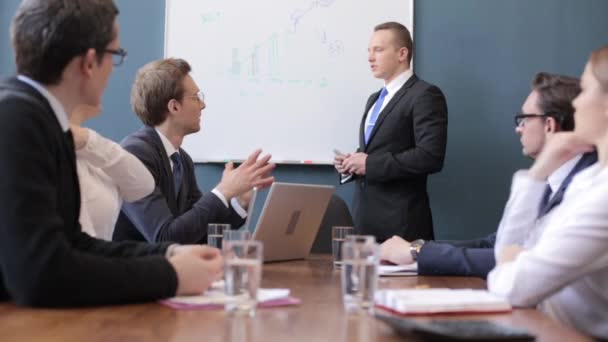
107,175
564,272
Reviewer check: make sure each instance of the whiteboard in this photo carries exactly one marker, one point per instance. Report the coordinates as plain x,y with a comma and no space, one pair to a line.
288,76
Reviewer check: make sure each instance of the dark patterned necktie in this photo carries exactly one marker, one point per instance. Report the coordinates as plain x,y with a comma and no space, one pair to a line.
544,202
177,172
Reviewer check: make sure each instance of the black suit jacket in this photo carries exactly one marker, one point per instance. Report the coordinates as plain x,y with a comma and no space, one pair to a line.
476,257
45,258
161,216
407,144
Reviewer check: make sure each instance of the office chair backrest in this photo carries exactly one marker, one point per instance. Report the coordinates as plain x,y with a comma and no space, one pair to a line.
337,214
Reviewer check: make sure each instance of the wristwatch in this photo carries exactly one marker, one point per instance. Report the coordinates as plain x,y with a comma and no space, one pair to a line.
415,247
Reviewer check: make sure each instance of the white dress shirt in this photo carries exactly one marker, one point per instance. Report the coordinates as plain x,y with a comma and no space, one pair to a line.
170,149
516,229
566,271
391,88
108,175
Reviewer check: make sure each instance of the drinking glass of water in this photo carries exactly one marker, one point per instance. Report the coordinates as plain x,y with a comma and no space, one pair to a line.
338,236
242,275
360,259
215,234
236,235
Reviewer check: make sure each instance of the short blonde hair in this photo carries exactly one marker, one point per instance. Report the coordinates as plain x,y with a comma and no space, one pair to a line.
403,38
157,83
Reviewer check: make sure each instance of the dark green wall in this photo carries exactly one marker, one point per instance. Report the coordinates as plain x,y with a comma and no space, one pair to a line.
482,53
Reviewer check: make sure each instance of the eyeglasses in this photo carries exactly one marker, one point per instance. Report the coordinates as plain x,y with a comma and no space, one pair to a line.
118,56
199,96
520,119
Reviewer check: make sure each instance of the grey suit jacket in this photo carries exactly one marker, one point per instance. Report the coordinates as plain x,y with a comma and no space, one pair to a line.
161,216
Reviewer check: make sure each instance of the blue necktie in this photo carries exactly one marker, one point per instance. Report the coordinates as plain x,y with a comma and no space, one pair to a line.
177,172
372,119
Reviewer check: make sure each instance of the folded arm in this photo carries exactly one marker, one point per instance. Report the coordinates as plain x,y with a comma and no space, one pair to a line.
572,245
446,259
520,213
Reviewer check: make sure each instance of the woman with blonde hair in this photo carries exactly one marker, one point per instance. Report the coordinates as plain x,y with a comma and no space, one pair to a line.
565,272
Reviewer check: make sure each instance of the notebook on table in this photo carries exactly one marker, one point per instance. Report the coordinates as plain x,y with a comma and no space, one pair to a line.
439,301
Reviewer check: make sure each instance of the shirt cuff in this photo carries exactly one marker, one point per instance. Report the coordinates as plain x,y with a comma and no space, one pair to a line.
237,207
219,195
170,249
234,202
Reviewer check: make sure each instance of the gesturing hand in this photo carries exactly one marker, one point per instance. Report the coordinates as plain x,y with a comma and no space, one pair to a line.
253,172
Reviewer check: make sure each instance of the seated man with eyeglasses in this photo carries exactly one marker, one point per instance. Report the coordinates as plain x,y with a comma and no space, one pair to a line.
547,110
169,103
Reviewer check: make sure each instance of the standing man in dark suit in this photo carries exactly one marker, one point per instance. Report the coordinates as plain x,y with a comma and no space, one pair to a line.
547,110
402,140
169,103
65,52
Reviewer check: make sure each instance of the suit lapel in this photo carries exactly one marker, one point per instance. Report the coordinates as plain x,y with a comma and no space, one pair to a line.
586,160
166,172
385,112
67,144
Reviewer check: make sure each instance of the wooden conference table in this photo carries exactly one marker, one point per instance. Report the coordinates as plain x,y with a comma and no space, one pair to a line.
320,317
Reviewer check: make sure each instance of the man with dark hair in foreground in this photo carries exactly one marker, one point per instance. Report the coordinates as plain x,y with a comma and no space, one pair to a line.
65,52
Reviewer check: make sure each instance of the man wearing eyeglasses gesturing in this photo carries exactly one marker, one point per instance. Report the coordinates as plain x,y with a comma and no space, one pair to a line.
169,103
546,111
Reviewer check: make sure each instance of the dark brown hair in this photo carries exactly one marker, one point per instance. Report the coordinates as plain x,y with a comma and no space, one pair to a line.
403,38
157,83
555,96
599,66
47,34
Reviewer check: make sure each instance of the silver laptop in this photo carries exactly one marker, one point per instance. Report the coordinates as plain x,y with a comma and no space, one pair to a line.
290,219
